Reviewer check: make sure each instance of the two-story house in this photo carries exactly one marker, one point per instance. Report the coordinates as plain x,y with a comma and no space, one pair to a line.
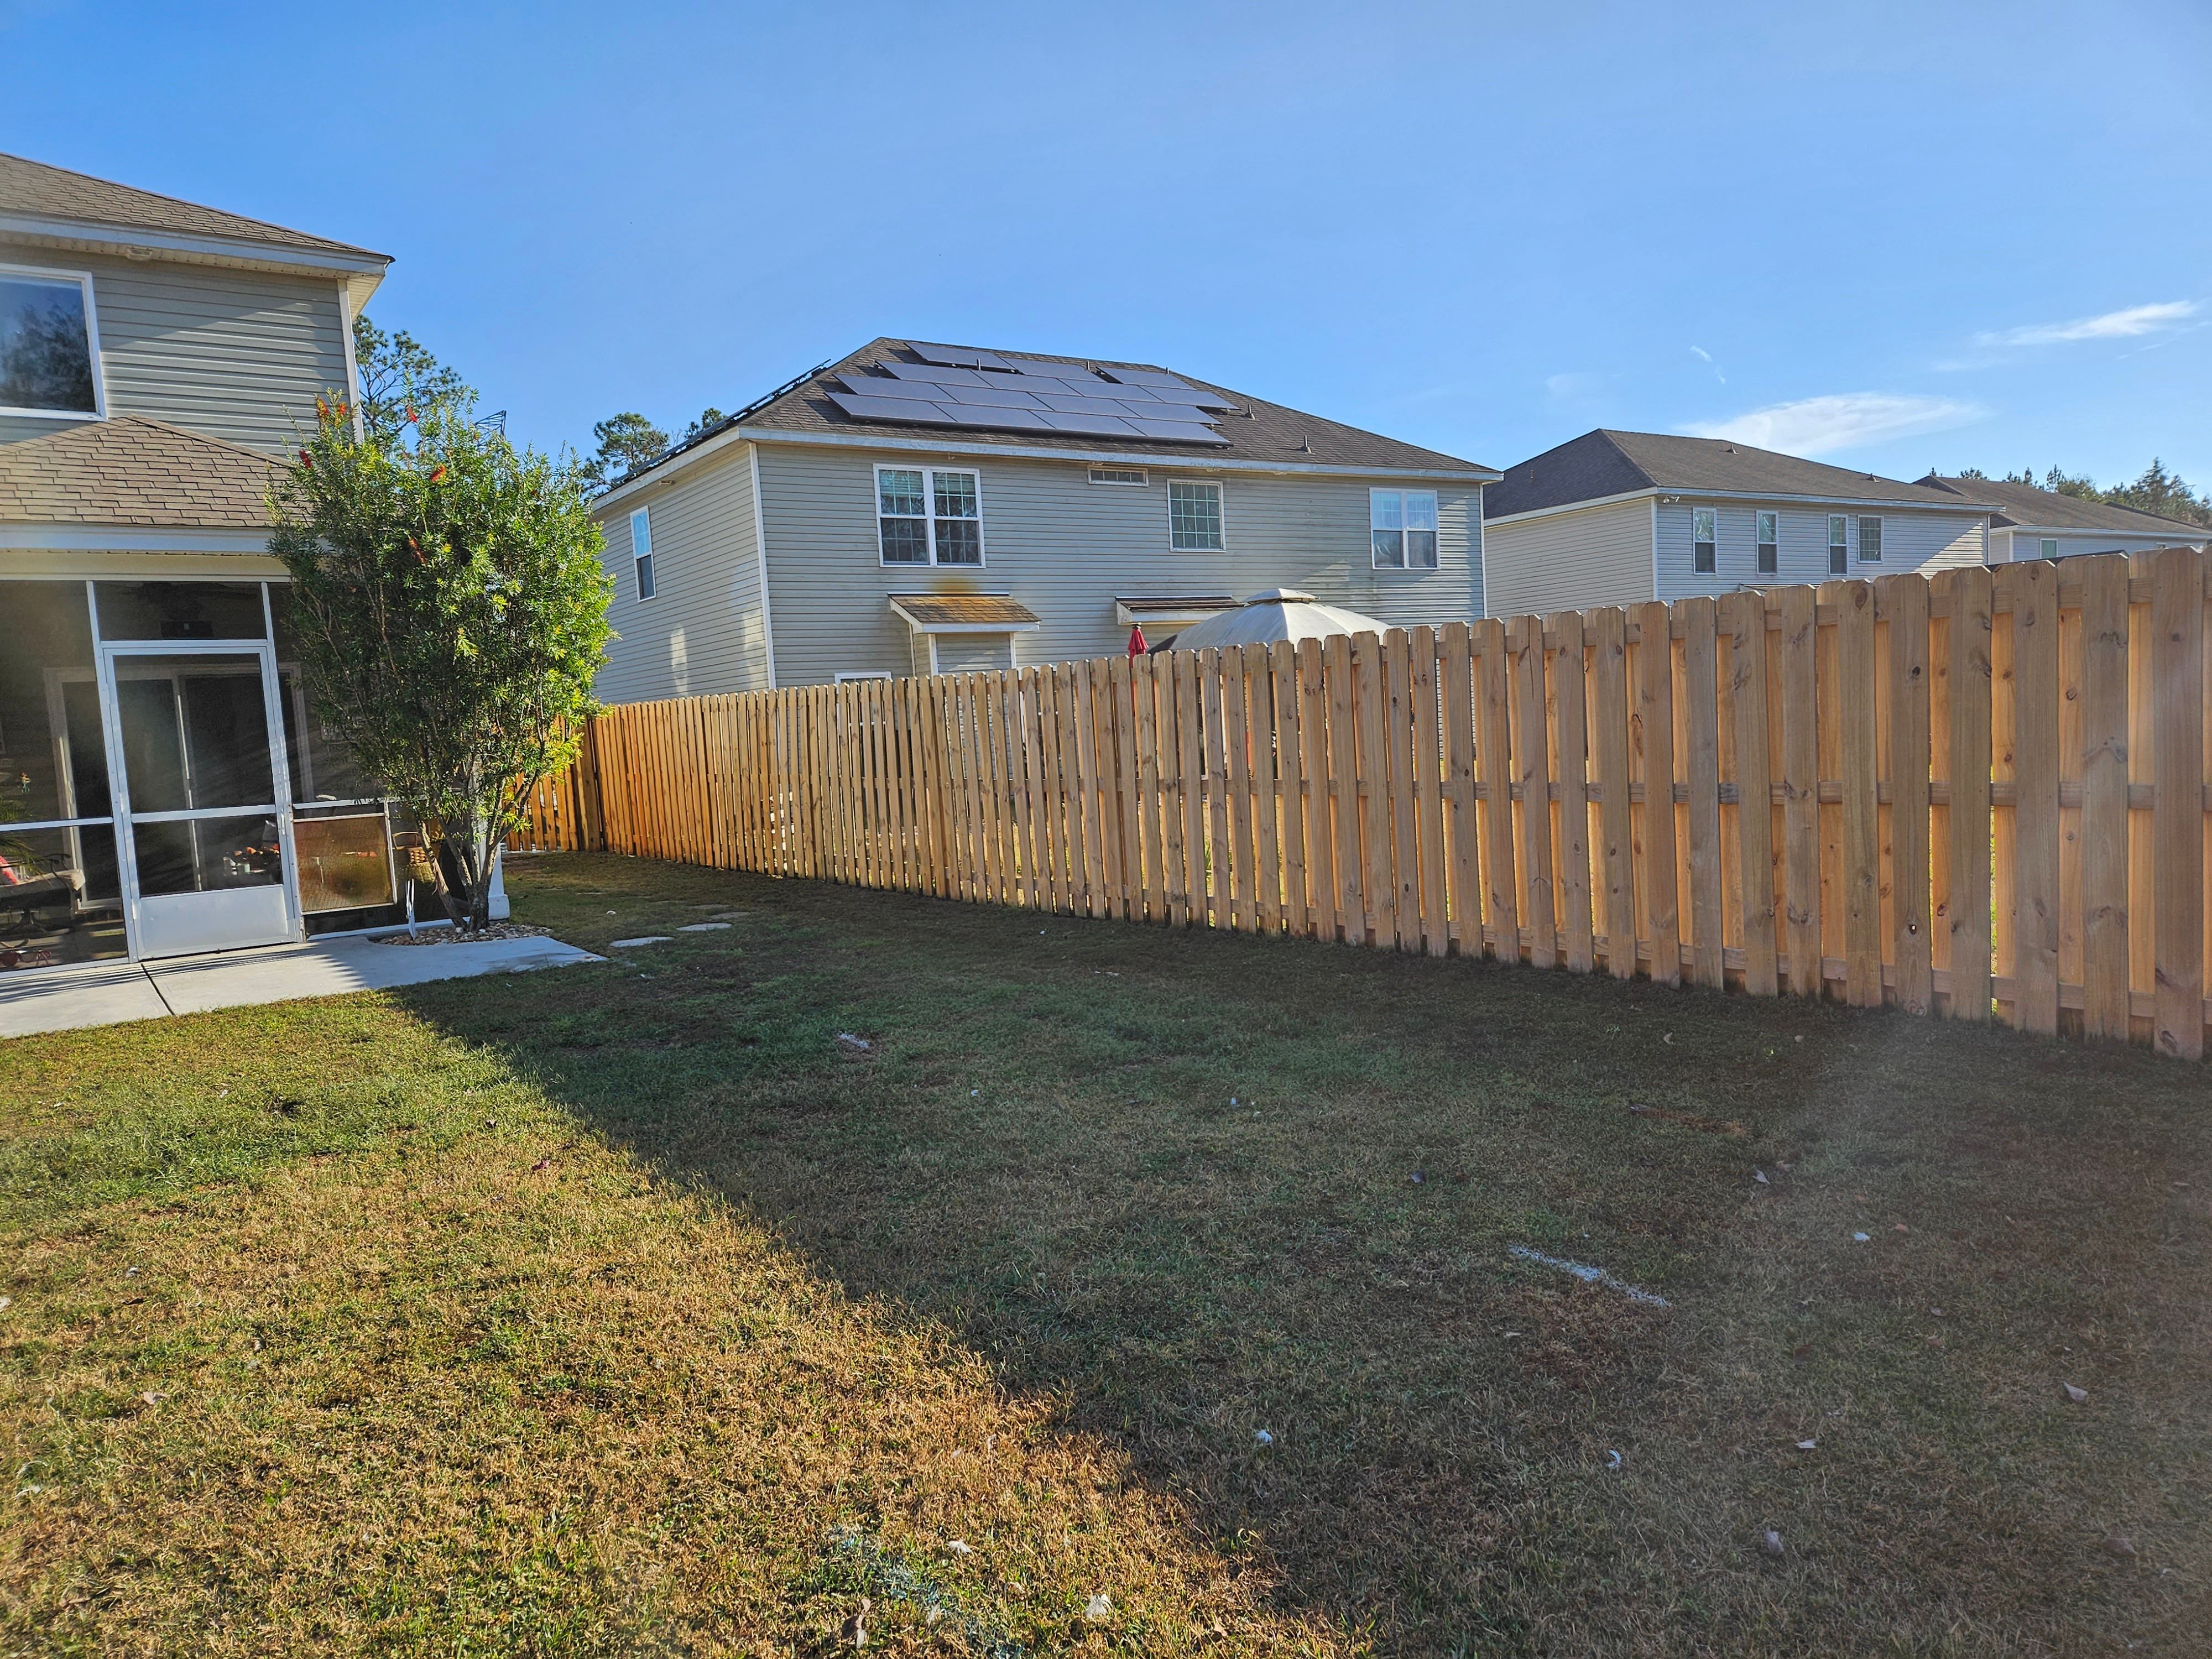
162,790
917,508
1616,518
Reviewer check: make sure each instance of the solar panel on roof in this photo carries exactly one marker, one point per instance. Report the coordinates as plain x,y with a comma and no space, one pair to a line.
1181,432
1006,397
1110,426
887,409
882,386
1039,366
1074,406
933,374
957,356
1169,387
991,414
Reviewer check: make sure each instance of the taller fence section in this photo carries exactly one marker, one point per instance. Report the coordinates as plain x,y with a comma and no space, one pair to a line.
1981,793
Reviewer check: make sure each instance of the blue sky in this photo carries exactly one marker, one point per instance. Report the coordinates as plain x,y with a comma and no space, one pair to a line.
1894,236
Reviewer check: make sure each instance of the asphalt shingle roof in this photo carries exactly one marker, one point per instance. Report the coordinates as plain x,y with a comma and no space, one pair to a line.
28,187
1259,431
2046,509
1608,463
129,471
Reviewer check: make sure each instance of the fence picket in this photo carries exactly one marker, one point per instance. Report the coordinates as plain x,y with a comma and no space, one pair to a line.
2012,818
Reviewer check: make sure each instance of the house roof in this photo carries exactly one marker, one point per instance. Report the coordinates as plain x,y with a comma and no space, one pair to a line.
129,471
40,189
930,613
1260,433
2023,504
1608,463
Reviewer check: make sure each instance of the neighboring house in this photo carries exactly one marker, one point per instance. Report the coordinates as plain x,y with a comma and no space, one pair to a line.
161,788
1613,518
2041,524
915,508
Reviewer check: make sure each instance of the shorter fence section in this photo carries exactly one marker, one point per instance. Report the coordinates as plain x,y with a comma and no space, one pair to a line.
1981,793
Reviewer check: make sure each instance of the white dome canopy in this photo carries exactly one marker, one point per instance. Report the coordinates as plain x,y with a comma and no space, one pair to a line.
1279,613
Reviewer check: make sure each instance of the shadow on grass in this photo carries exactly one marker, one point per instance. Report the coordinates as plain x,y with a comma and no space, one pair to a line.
1243,1207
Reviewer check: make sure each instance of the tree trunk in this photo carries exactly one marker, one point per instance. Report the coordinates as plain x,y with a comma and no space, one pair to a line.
465,856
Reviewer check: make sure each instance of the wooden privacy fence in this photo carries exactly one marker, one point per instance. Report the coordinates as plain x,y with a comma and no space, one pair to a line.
1980,793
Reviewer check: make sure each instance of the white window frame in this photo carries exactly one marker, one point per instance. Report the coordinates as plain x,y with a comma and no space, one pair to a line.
1407,568
928,516
83,280
1839,536
1220,512
1135,477
1866,519
1697,542
1758,542
645,575
853,675
2048,546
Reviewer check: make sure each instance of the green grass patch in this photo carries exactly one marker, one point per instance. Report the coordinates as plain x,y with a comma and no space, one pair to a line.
622,1309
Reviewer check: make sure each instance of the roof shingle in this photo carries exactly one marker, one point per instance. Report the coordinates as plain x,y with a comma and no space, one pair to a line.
2046,509
131,471
1608,463
36,187
1259,431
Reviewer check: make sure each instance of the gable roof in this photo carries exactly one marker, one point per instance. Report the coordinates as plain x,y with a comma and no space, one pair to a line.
38,188
1608,463
129,471
1259,433
2046,509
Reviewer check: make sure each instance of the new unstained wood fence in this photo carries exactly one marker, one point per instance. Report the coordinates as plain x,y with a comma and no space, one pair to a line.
1980,793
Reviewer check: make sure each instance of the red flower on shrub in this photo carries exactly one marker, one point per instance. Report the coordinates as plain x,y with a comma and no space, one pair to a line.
437,474
307,461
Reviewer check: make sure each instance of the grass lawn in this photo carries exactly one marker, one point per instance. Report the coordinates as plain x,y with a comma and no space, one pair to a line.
623,1308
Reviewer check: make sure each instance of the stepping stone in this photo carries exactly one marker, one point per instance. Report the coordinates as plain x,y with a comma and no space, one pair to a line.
643,939
704,927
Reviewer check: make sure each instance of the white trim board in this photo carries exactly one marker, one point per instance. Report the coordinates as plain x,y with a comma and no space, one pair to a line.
1674,495
919,444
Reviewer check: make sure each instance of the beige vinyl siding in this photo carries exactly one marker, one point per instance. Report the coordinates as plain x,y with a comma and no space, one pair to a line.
1911,539
1571,560
973,653
238,354
702,634
1066,548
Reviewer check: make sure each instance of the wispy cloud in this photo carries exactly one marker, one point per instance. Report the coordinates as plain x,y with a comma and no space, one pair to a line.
1841,421
2122,324
1703,353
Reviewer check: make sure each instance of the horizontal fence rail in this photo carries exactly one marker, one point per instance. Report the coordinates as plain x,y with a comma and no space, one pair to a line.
1981,793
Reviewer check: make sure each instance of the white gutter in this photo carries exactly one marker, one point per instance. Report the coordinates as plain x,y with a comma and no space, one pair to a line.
920,444
362,269
1679,493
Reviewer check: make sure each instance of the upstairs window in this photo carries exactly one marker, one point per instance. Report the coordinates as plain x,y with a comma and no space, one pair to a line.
1770,543
1704,541
1194,516
1870,541
1838,555
1402,527
928,515
49,351
1118,475
640,551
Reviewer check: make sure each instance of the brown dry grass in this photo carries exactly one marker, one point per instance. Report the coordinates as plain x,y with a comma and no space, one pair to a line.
620,1310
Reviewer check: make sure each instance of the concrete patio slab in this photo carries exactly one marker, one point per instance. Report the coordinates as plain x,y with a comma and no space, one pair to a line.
107,994
66,999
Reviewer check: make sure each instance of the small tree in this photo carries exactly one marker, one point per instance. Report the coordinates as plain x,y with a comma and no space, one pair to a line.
453,612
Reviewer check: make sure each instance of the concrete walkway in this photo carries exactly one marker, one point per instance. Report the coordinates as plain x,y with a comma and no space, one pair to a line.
109,993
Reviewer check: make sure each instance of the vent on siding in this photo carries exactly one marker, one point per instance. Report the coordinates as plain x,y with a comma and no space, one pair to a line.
1117,475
